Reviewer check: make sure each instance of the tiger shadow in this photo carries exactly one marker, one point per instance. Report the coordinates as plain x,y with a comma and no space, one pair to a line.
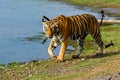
107,54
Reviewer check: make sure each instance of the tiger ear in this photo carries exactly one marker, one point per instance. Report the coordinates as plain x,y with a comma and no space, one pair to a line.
44,19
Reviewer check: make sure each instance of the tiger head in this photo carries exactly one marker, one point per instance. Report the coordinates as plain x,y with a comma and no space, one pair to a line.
50,27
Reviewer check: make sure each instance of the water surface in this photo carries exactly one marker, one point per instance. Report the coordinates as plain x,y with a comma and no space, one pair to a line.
20,19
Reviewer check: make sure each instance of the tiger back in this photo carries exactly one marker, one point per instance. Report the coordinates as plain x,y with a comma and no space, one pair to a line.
75,27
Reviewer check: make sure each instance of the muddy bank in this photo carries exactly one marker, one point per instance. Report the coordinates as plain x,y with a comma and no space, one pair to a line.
110,9
114,12
115,76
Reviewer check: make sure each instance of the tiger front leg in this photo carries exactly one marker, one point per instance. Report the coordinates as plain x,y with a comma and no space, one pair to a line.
62,51
51,47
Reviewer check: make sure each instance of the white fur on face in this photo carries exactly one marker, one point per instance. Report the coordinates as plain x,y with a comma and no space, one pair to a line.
45,27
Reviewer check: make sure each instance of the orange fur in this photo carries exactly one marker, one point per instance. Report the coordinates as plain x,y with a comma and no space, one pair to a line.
62,28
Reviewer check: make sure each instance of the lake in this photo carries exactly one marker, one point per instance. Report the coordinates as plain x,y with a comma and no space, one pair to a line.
21,19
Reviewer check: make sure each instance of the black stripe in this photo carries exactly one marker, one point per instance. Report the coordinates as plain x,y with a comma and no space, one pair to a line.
94,27
97,37
79,24
87,22
71,24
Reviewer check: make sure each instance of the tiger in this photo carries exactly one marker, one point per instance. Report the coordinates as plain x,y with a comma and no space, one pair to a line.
76,27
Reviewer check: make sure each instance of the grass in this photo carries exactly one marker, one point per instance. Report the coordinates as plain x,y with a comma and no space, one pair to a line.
86,67
110,7
96,3
81,69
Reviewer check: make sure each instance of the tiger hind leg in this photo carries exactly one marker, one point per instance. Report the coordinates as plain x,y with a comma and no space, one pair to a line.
80,45
99,42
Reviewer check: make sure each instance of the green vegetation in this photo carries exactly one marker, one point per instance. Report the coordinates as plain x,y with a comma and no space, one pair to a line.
88,66
36,38
110,7
96,3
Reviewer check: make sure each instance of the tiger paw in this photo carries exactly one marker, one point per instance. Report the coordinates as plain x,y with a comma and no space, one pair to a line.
75,56
98,54
59,60
53,57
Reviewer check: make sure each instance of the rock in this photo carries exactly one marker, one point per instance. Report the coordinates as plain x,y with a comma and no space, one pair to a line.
83,59
115,76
